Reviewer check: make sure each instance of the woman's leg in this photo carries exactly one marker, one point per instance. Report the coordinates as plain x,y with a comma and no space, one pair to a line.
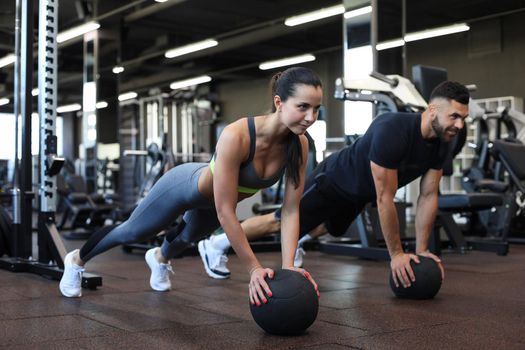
168,199
195,225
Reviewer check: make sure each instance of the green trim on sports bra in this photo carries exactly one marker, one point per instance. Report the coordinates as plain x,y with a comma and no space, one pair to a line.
240,189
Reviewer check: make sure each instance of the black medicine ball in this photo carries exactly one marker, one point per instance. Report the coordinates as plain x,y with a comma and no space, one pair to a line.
291,309
427,284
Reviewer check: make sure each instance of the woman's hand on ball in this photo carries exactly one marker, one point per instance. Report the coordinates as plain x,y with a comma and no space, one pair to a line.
258,287
307,275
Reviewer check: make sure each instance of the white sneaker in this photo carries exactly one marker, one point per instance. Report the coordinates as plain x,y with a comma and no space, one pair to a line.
71,281
214,260
298,260
160,278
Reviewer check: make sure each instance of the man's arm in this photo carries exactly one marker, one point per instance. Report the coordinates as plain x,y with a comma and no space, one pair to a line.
385,181
427,204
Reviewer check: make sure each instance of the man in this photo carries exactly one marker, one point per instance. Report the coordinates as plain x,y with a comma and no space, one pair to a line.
396,149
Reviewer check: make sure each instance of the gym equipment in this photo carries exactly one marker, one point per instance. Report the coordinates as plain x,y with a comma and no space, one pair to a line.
292,308
426,78
427,283
6,227
469,203
504,222
83,211
395,92
512,213
489,126
51,250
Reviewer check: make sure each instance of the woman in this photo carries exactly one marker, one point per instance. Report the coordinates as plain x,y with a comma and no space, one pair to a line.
252,153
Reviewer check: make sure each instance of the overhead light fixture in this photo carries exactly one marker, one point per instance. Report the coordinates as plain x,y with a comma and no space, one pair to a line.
127,96
358,12
69,108
190,82
101,104
4,101
389,44
118,69
35,92
286,61
7,60
184,50
77,31
430,33
161,0
314,15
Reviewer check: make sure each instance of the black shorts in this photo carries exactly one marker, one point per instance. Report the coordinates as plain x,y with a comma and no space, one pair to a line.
323,203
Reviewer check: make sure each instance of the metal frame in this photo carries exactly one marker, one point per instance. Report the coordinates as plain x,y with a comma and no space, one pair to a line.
51,249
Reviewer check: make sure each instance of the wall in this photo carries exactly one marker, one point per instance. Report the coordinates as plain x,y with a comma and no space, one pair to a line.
490,55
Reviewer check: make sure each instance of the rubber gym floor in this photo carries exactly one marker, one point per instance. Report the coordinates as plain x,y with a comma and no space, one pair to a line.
480,306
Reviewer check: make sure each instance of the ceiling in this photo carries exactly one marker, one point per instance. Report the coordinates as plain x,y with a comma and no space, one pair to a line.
135,34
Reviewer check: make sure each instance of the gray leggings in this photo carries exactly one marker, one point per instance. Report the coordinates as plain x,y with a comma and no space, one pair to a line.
175,193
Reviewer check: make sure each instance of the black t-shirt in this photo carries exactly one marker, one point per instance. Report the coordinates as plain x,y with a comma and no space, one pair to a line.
393,141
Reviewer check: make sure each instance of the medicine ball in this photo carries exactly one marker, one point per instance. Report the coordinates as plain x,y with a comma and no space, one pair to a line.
291,309
427,284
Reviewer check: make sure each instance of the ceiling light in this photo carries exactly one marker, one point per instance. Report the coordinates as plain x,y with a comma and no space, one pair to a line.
190,82
4,101
183,50
286,61
69,108
430,33
161,0
118,69
390,44
101,104
314,15
358,12
127,96
77,31
7,60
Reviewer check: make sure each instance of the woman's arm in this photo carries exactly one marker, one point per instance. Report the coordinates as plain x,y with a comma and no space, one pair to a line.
229,156
290,217
232,149
290,211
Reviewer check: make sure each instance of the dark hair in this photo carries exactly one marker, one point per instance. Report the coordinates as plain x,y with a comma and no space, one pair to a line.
451,90
285,84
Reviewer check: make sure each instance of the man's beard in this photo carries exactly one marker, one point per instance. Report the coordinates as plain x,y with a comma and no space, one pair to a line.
441,132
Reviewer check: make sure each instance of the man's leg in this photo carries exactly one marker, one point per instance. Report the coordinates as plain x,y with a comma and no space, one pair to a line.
259,226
